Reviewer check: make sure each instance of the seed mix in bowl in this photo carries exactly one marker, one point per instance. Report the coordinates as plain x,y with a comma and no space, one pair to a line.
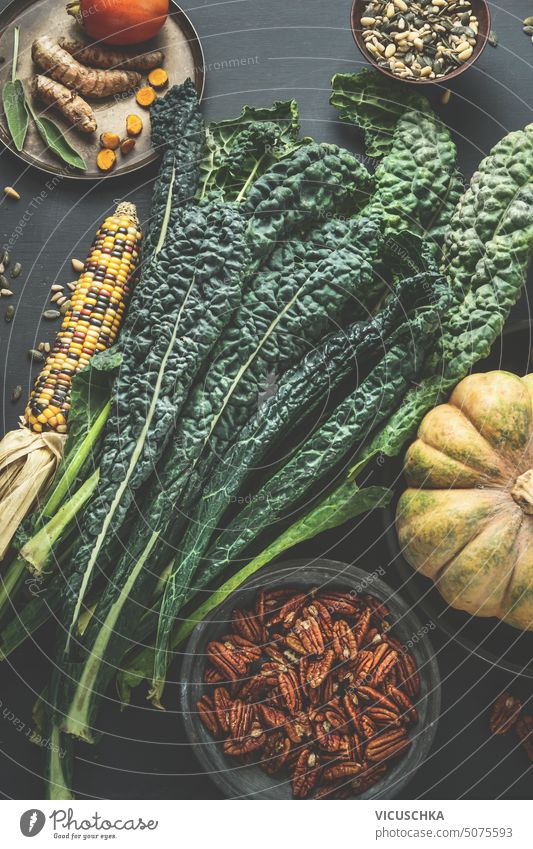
426,39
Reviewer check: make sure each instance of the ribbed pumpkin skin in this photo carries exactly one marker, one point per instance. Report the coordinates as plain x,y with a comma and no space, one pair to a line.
466,520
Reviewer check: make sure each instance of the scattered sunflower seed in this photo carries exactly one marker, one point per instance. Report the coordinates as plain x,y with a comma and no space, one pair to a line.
50,315
4,284
65,307
17,392
445,98
11,192
6,258
9,313
528,22
6,293
46,347
36,356
77,265
72,285
57,295
528,30
15,271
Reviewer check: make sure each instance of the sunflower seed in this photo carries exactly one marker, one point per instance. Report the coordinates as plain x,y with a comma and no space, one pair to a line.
15,271
77,265
6,293
11,192
9,313
17,392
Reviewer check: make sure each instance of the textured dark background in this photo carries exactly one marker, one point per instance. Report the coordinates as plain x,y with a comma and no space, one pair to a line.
284,49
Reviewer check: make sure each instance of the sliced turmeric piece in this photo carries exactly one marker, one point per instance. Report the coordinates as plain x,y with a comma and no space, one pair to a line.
134,125
145,96
126,146
106,159
110,140
158,78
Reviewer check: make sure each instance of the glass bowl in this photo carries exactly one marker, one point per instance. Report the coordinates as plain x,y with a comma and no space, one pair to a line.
237,780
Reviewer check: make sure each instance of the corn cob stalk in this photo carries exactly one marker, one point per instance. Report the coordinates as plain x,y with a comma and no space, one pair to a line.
29,457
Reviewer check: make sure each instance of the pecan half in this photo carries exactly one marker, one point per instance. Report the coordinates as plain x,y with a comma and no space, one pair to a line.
322,614
340,604
240,718
212,676
305,774
342,769
361,626
524,729
344,641
391,744
275,753
251,743
317,669
248,625
289,690
410,679
408,711
368,778
227,660
207,714
504,713
222,703
271,716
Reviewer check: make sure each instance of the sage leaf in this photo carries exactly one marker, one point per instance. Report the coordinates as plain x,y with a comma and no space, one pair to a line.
14,101
14,104
57,143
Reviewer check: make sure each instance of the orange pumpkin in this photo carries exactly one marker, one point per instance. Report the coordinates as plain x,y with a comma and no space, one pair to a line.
120,21
467,519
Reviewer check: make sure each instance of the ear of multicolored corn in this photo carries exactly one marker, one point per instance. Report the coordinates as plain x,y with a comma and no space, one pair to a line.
29,457
93,320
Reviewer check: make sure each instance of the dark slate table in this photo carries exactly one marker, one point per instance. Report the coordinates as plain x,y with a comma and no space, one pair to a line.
256,52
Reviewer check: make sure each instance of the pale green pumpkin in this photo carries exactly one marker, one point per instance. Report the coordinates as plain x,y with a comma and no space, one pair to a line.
467,519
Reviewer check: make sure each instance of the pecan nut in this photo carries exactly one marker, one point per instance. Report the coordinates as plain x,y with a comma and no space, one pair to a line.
504,714
524,729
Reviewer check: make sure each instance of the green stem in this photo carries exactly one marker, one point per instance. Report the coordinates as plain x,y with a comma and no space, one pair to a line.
10,583
249,181
16,35
37,550
73,466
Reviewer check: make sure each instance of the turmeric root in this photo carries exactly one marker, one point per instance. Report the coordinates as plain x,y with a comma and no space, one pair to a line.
73,108
88,82
103,57
145,96
158,78
110,140
106,159
134,125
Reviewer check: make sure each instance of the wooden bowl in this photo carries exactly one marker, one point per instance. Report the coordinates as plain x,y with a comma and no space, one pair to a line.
480,8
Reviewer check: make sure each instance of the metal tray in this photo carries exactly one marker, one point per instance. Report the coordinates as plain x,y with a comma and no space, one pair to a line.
183,58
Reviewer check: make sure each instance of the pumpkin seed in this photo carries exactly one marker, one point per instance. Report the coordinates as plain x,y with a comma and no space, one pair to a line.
528,22
56,287
6,258
9,313
36,356
6,293
15,271
50,315
77,265
17,392
3,282
528,30
11,192
493,38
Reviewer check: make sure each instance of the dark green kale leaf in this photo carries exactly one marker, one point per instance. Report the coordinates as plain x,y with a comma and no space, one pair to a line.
195,282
